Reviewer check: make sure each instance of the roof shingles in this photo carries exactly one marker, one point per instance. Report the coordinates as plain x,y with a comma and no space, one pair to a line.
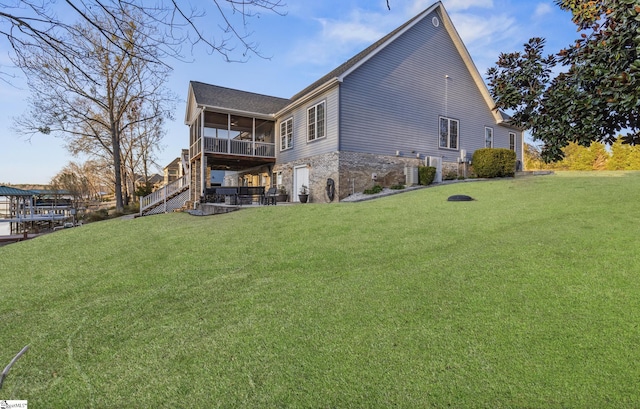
233,99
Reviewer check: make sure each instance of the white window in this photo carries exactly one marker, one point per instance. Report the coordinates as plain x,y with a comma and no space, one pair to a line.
448,133
316,121
286,134
512,141
488,137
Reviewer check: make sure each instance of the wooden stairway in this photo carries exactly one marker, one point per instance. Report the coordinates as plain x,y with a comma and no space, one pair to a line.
167,198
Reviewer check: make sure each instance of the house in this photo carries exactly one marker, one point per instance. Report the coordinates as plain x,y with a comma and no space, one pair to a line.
177,168
155,181
172,171
412,95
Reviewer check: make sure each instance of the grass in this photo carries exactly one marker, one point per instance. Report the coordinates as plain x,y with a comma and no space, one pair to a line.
528,297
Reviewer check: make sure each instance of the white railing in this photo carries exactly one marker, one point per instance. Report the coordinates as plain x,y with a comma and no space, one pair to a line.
239,147
233,147
164,193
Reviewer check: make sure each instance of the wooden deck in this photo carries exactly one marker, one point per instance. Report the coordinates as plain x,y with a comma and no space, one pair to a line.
13,238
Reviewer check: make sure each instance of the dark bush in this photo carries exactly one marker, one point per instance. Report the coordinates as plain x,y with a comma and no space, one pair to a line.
426,174
494,162
96,216
375,189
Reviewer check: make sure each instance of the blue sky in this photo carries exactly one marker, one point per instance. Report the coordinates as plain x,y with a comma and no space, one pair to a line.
313,38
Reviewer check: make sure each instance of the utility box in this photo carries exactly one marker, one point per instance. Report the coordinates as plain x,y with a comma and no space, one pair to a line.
435,162
411,174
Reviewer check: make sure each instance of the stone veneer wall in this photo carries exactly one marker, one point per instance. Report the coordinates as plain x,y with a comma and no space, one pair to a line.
351,172
356,171
321,167
195,181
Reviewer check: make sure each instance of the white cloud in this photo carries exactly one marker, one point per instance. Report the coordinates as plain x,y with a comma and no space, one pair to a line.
485,35
542,9
340,39
454,5
482,29
451,5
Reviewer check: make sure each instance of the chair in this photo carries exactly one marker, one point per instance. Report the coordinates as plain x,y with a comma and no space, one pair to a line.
270,196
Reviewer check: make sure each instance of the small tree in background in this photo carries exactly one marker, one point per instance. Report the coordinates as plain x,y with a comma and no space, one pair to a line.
624,157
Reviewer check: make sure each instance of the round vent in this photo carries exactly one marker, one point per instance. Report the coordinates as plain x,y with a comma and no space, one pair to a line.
435,21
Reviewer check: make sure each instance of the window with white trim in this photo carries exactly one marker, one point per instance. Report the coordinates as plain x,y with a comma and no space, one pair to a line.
449,133
512,141
316,121
286,134
488,137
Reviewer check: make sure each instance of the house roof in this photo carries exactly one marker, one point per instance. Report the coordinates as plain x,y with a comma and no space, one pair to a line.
233,99
174,163
152,179
12,191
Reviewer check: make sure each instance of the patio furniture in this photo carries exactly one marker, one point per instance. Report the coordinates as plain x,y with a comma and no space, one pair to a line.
270,196
250,194
227,195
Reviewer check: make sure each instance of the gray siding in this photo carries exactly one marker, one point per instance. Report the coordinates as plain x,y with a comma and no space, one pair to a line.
393,102
301,147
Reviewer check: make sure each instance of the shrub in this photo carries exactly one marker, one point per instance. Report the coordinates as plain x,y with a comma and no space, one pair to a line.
494,162
396,187
375,189
426,174
96,216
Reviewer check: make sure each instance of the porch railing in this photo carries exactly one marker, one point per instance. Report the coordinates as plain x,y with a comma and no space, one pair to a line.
234,147
164,193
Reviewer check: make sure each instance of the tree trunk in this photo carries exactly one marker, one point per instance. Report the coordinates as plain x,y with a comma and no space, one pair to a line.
115,141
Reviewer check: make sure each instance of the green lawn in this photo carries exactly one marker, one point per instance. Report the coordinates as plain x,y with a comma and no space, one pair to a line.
528,297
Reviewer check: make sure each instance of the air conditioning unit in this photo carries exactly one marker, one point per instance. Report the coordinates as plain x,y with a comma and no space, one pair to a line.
411,174
436,162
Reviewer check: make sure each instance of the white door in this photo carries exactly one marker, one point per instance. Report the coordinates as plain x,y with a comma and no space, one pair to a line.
300,177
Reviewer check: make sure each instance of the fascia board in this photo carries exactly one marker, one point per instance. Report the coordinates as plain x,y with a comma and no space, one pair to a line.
471,66
389,41
313,94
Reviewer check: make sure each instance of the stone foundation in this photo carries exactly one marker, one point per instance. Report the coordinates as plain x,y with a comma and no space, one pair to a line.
357,170
321,168
352,172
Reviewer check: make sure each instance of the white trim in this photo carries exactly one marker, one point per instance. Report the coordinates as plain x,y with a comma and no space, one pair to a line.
316,121
471,66
369,56
515,138
280,136
457,148
488,128
311,95
295,190
238,112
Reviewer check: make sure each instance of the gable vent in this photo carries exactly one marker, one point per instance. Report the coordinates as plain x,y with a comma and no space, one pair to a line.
435,21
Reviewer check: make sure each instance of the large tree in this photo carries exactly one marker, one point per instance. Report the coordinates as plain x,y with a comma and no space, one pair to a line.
594,97
123,36
99,100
